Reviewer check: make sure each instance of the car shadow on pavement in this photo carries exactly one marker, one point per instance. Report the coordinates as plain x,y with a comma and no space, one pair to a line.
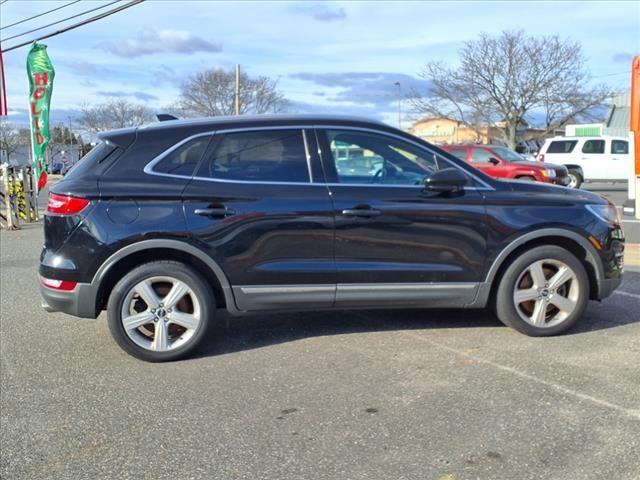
256,331
234,334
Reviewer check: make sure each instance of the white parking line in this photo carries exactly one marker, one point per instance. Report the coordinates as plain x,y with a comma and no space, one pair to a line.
627,294
633,413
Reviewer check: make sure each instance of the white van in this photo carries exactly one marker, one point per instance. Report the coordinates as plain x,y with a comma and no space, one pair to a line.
590,159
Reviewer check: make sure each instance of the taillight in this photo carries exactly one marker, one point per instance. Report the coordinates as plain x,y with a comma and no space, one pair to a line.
60,285
66,204
541,157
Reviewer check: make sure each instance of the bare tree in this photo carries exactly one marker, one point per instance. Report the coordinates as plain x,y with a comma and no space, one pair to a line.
504,80
61,138
12,139
113,114
211,93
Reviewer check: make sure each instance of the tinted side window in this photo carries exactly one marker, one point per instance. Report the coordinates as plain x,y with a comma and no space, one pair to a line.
561,146
593,146
480,155
619,146
461,153
184,159
368,158
259,156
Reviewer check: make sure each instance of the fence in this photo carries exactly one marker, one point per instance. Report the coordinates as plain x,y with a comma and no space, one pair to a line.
18,197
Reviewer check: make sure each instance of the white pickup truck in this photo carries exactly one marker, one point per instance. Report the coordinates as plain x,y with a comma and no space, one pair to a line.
590,159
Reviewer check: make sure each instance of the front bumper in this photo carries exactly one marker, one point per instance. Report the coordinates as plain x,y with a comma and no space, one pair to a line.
564,181
607,286
79,302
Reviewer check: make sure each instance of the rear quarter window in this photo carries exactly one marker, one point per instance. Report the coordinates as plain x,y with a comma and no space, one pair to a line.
562,146
184,158
620,147
101,153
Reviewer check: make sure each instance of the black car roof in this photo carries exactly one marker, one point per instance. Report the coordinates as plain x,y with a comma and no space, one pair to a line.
241,121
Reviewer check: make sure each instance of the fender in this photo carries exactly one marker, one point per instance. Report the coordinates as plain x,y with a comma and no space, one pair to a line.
592,257
578,168
168,244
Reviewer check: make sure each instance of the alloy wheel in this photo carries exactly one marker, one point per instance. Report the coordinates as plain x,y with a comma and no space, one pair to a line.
161,313
546,293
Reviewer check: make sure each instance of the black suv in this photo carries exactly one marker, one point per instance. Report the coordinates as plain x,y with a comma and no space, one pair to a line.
161,225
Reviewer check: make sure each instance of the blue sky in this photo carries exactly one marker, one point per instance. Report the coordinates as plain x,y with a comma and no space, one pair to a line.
340,57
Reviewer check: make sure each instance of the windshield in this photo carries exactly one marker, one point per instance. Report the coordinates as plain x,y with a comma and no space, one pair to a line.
508,155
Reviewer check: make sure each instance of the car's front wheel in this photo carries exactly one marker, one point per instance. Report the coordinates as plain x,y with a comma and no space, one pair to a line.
160,311
543,292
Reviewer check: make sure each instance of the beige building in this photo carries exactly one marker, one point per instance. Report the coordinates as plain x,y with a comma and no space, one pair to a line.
442,130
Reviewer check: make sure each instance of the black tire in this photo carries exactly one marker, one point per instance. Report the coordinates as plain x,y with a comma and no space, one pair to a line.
504,304
176,270
576,178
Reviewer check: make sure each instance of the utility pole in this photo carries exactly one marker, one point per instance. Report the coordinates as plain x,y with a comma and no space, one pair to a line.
70,137
237,96
397,84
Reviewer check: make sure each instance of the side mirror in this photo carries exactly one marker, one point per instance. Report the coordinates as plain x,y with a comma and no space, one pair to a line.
446,180
494,160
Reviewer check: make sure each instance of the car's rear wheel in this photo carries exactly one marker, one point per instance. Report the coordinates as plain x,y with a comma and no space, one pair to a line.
160,311
575,179
543,292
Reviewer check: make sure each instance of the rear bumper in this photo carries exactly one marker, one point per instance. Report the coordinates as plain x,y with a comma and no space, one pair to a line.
79,302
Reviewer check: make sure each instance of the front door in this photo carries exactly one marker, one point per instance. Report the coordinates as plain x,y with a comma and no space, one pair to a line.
484,160
395,243
259,206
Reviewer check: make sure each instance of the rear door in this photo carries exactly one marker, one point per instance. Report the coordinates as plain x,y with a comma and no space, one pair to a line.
621,163
259,206
395,242
594,161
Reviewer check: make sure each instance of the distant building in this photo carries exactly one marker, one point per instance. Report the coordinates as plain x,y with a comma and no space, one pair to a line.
616,124
441,130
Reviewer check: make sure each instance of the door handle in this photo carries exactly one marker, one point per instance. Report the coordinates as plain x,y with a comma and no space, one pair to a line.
361,212
214,212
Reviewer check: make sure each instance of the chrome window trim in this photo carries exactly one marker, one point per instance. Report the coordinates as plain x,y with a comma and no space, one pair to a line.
307,154
148,169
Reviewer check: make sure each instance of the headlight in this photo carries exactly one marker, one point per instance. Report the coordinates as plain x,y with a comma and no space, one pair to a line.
607,213
550,172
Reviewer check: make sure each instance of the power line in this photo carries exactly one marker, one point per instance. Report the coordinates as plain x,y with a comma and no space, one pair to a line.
612,74
60,21
39,15
76,25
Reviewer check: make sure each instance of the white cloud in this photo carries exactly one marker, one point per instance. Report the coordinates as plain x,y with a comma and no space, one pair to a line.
164,41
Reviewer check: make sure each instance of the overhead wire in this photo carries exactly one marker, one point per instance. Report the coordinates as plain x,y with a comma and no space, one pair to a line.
76,25
40,14
60,21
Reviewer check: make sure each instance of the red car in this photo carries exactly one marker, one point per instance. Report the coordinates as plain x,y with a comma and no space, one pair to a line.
501,162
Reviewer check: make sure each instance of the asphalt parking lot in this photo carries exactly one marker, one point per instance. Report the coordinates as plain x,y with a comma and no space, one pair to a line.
351,395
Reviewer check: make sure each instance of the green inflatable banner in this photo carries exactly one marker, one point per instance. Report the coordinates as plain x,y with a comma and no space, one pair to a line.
41,73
